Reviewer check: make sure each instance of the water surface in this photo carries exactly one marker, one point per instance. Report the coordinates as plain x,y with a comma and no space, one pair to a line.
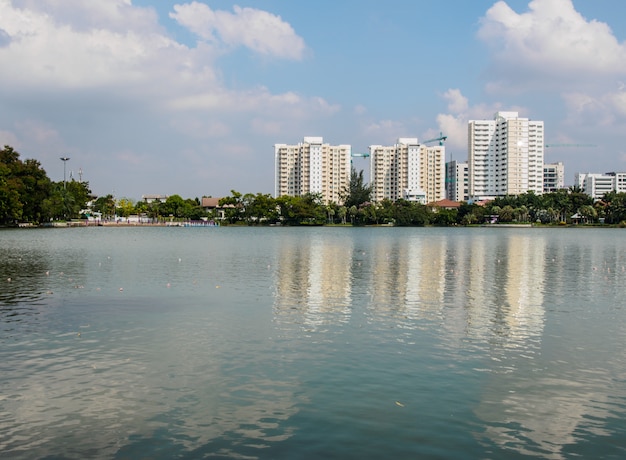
312,343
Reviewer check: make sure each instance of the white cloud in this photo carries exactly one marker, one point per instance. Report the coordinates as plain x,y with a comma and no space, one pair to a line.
255,29
455,127
255,100
360,110
48,49
105,83
607,109
454,123
551,39
565,64
200,128
118,15
457,103
386,129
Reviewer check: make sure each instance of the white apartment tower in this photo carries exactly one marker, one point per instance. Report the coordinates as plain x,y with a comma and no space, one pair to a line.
312,167
505,156
407,170
457,181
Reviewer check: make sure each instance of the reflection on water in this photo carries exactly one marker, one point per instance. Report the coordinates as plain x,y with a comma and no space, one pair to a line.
313,281
283,343
414,279
481,290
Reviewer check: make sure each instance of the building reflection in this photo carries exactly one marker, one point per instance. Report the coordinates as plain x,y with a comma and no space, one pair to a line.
473,288
313,282
487,291
524,407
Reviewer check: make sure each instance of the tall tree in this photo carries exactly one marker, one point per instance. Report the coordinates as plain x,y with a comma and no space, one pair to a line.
358,192
24,186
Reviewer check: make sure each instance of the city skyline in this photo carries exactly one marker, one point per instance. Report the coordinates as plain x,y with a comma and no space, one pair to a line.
189,98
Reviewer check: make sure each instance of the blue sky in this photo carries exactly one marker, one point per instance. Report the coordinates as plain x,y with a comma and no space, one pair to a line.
165,97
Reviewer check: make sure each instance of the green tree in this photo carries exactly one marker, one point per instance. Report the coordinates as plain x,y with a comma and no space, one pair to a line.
24,187
507,213
357,192
302,210
471,213
588,213
105,205
342,211
174,206
615,210
262,208
125,207
444,217
233,205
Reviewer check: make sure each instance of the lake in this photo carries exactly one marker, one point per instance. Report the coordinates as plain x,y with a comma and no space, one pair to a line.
296,343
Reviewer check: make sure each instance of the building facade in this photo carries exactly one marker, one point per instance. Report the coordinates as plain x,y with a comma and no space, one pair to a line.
553,177
312,167
505,156
407,170
597,185
457,181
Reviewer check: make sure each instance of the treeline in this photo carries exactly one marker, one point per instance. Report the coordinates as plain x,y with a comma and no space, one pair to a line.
175,207
561,207
28,195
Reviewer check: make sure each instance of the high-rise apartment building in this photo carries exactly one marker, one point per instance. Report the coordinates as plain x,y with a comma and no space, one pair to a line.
553,177
457,181
312,167
505,156
407,170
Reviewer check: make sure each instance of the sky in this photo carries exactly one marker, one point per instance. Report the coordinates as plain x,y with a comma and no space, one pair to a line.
189,98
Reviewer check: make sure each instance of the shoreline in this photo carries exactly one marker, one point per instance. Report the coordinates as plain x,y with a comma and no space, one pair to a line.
202,224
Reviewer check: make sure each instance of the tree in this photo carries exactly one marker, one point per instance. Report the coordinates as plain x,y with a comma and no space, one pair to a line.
341,213
471,213
615,210
24,187
588,213
262,208
173,206
302,210
125,207
444,217
357,192
506,214
233,206
105,205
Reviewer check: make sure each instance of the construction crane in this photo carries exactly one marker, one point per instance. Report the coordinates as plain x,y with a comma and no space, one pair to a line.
570,145
439,139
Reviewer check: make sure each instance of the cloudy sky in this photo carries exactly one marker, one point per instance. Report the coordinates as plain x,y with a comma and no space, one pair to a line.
188,98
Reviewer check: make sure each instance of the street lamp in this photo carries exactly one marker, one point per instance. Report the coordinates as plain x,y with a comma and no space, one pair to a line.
64,160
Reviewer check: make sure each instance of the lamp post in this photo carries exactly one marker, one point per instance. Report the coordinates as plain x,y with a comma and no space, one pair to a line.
64,160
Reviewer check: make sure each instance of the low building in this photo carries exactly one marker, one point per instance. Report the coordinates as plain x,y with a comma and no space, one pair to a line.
553,177
153,198
211,204
444,204
597,185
